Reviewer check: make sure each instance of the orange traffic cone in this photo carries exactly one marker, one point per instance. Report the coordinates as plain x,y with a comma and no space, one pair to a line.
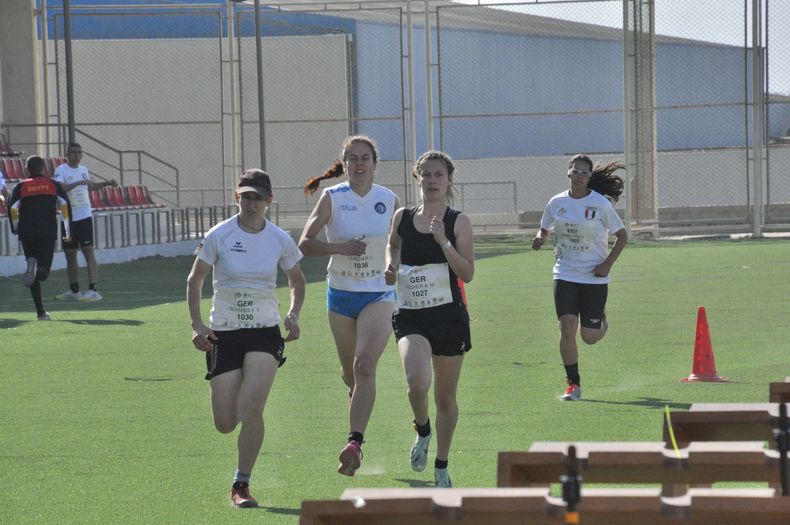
704,366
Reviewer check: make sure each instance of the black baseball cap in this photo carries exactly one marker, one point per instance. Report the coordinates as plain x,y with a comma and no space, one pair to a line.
255,180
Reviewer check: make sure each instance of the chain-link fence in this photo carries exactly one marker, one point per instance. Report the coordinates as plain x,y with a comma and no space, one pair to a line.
164,97
778,113
326,75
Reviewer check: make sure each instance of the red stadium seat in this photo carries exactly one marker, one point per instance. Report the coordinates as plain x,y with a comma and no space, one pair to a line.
128,201
116,198
95,200
106,199
14,170
136,192
148,200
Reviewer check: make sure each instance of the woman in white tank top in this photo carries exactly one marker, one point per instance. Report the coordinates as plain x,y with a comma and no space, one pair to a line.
355,216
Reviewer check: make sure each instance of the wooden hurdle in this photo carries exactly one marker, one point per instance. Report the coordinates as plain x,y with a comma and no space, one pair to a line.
536,507
698,464
779,392
723,422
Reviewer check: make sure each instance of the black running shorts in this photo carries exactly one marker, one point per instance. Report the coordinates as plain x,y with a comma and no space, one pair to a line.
232,345
445,327
587,301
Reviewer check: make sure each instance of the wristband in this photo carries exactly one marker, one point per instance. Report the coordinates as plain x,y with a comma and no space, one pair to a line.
447,244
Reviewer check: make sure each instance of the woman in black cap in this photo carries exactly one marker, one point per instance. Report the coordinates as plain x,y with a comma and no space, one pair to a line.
243,344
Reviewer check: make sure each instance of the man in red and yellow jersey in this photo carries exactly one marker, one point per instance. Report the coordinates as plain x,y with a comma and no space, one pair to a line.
33,207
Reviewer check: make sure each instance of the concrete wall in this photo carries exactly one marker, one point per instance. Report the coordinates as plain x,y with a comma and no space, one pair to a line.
19,68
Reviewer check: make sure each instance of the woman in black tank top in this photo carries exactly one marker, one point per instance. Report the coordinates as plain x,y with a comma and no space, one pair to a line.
430,250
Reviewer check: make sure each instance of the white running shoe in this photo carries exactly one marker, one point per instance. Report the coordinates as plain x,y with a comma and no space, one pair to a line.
43,317
68,295
89,296
30,272
419,453
442,477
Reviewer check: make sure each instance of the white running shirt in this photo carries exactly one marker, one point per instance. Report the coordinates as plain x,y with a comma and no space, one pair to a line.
365,218
581,234
79,196
245,266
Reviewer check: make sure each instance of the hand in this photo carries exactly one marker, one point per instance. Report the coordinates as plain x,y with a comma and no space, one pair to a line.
292,327
390,274
537,242
66,239
203,338
353,247
437,230
602,270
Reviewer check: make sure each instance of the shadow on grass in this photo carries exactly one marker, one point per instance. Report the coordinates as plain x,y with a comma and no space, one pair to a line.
104,322
647,402
281,510
11,323
415,483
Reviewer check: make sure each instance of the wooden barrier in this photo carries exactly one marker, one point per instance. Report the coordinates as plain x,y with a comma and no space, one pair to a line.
536,507
700,463
779,392
723,422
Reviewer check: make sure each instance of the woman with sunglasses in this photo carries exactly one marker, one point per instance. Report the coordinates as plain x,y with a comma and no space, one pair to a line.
582,219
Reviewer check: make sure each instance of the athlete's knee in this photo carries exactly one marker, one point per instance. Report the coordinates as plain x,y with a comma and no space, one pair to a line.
445,401
419,384
225,425
251,408
591,337
364,367
42,274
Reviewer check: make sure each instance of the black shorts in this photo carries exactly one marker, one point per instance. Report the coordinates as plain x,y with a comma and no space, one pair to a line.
42,248
587,301
445,327
81,234
232,345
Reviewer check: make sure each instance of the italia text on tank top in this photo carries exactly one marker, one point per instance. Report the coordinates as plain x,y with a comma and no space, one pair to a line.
366,218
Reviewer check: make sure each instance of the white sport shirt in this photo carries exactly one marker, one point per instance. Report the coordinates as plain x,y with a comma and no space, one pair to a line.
79,196
581,230
246,264
365,218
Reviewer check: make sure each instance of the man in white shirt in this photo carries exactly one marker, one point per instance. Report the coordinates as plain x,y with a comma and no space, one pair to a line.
77,182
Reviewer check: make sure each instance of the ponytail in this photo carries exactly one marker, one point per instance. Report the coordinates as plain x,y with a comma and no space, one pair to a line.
604,181
336,170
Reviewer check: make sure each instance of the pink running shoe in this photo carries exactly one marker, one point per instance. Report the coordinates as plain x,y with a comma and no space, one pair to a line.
350,459
572,393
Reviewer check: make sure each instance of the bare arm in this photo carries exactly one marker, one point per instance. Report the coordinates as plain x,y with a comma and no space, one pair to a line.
296,282
312,247
461,257
603,269
540,238
392,254
202,335
103,184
